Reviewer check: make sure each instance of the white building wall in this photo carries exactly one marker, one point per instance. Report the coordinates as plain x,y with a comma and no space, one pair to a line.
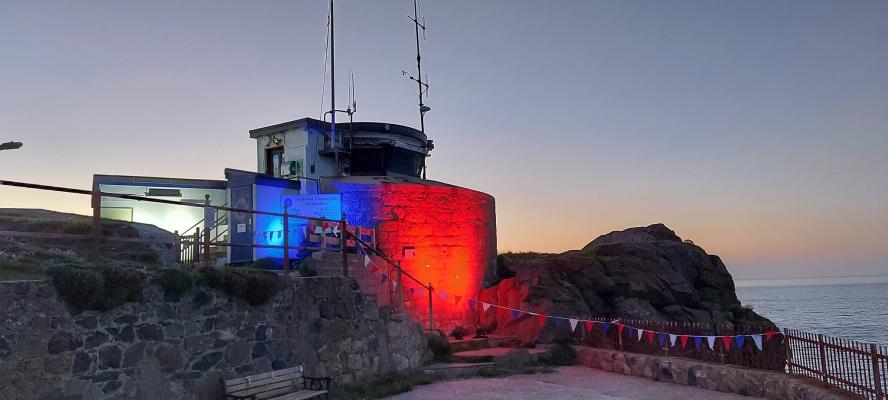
165,216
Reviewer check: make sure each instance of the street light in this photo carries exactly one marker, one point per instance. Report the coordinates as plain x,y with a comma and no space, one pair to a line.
10,145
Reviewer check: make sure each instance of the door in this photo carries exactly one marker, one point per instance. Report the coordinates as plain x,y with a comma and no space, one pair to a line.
241,226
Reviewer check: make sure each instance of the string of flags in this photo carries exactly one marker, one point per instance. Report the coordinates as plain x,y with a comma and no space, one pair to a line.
640,334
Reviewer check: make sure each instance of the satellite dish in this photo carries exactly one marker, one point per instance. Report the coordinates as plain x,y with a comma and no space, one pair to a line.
11,146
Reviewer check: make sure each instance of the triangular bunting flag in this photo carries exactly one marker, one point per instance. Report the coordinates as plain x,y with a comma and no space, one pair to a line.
639,332
472,303
366,260
411,290
672,341
620,329
456,300
516,314
650,336
662,339
589,326
384,277
421,290
485,306
542,319
684,341
605,325
711,341
697,342
727,341
374,269
394,284
573,324
757,340
557,322
740,341
769,335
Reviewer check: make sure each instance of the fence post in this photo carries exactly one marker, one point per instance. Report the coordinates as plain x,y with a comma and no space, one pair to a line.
286,239
431,315
822,347
206,246
195,247
178,247
97,212
877,375
787,348
343,246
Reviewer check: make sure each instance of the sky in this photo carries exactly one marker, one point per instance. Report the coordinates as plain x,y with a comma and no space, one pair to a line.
757,129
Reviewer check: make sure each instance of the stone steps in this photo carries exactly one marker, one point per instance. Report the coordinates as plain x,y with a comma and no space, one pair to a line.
502,355
475,344
457,370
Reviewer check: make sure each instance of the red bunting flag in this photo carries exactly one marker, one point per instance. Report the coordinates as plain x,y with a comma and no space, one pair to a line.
589,326
650,336
684,341
769,335
374,269
727,341
542,319
620,329
456,299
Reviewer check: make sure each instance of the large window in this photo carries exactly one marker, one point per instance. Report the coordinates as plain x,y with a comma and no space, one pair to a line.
273,160
380,160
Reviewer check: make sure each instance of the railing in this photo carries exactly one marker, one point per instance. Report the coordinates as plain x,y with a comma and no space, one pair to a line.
189,247
400,274
771,356
855,367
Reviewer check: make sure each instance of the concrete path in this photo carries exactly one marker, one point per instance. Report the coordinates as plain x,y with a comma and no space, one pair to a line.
567,383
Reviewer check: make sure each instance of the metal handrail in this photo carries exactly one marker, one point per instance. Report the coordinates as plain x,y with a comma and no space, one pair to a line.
388,260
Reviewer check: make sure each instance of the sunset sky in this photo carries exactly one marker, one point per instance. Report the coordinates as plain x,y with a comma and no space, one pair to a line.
758,129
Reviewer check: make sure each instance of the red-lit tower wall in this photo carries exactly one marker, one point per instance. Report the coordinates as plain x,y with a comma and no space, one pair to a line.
452,232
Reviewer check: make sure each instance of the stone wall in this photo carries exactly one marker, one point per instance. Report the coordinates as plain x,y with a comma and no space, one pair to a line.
159,349
719,377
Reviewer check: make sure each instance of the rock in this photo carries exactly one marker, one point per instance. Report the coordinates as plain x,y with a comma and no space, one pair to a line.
82,362
62,342
237,352
259,350
109,357
133,355
5,350
206,362
644,273
87,323
96,339
168,358
149,332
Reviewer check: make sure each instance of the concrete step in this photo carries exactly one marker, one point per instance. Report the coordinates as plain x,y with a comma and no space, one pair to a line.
456,370
501,355
475,343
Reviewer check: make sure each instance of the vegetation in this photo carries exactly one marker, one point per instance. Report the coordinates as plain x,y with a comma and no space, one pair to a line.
459,332
306,268
175,282
96,288
563,353
440,346
253,285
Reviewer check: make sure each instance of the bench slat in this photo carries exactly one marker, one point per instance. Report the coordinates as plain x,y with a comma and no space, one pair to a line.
287,386
264,375
302,395
264,382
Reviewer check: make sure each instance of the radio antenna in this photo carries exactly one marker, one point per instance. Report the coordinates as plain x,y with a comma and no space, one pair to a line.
422,86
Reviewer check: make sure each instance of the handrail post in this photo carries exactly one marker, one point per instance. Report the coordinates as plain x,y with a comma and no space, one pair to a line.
286,240
97,212
178,247
431,315
877,375
343,246
400,289
822,346
787,347
206,246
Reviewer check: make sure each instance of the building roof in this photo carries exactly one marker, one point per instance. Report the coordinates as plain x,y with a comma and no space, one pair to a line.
384,127
157,181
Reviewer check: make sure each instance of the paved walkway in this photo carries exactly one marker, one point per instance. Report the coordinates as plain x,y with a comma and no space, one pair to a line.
567,383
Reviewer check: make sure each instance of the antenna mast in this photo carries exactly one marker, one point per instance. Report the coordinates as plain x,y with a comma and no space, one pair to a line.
333,142
423,86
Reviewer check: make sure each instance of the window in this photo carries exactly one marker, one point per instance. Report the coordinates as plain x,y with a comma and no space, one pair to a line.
273,160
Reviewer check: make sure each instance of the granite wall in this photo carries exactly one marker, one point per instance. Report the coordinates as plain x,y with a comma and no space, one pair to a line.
719,377
161,349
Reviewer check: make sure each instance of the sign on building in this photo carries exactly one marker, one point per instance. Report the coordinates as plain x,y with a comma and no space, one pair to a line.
327,206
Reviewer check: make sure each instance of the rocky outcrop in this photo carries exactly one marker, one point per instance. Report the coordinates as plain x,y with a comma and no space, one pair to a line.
639,273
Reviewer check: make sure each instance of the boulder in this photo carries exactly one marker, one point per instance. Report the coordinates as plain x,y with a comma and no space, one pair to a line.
640,273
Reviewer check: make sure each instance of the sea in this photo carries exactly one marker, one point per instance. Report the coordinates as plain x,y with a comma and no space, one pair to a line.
852,308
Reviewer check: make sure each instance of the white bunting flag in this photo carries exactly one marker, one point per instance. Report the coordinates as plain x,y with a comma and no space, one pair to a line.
711,341
640,333
672,339
757,339
394,284
485,306
366,260
573,325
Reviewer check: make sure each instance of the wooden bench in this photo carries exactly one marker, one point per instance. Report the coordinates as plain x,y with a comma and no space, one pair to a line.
283,384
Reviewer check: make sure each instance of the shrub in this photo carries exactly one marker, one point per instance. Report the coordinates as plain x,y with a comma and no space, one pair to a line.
175,282
265,263
252,285
563,353
439,345
96,288
459,332
306,268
